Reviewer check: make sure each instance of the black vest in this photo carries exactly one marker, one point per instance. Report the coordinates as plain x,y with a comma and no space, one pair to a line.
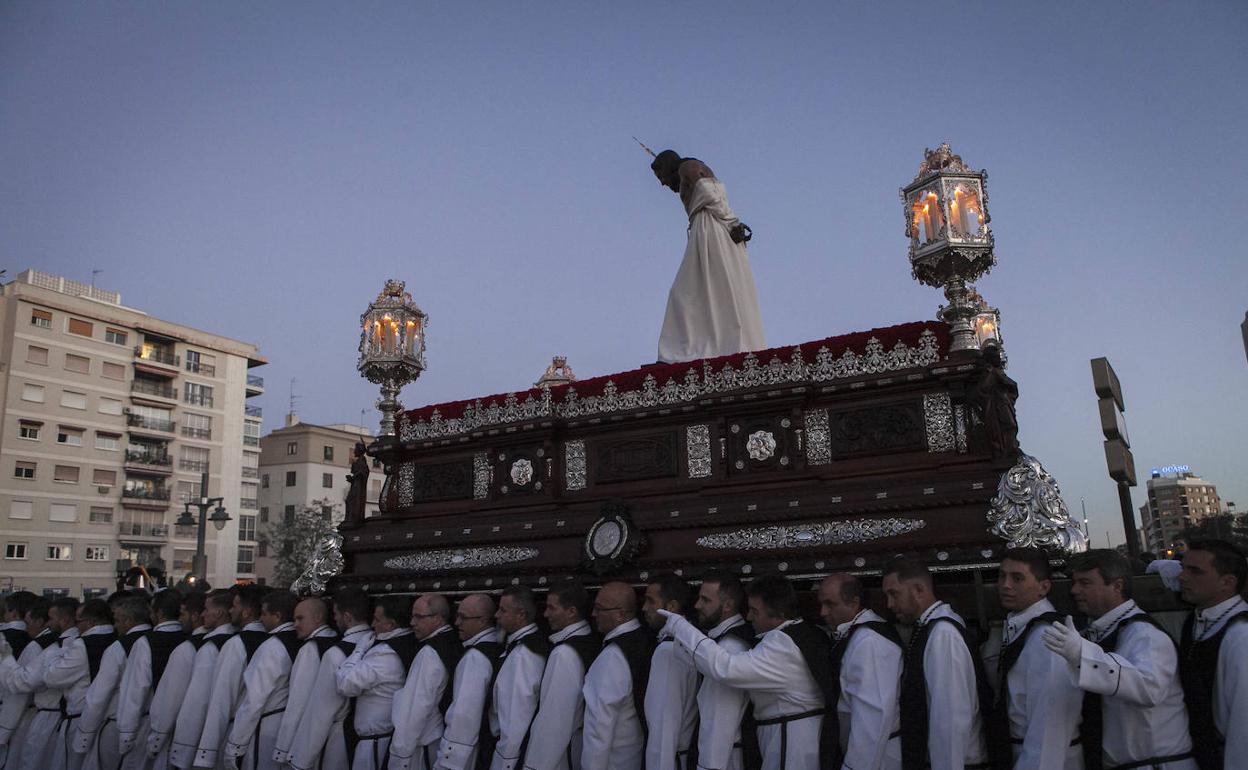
128,640
46,640
449,650
914,713
587,646
997,721
1093,727
832,720
539,645
637,646
405,646
493,651
291,641
816,651
96,644
1198,666
18,639
162,645
251,642
323,644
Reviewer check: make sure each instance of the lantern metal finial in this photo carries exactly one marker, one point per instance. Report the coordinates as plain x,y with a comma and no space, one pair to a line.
951,245
392,347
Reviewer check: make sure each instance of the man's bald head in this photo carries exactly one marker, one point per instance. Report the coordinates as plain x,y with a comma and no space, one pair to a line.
310,614
615,605
476,613
429,613
840,599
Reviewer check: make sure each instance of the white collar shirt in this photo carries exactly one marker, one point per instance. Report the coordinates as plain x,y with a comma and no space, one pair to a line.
302,678
955,715
266,686
720,706
554,739
417,717
319,734
471,682
517,690
372,675
671,707
1044,705
100,703
868,710
227,686
612,738
190,720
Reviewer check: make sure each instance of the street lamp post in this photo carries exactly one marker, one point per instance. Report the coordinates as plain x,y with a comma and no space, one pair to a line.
199,566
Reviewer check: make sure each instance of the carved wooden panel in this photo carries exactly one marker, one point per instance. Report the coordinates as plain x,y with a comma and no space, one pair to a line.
884,428
443,481
634,459
760,444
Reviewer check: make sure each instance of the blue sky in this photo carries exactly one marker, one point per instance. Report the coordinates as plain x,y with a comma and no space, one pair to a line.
260,169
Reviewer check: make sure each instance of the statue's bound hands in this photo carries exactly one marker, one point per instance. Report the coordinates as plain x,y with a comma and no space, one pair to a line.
741,233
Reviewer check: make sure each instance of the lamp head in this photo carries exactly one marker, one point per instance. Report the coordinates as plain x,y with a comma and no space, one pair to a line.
219,517
186,519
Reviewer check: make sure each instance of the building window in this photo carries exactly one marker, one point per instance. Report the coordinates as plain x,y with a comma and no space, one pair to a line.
292,448
29,430
264,514
41,318
200,395
328,452
104,478
21,509
37,355
290,478
79,327
94,593
96,553
194,458
113,371
264,481
196,425
327,480
115,336
246,527
55,593
200,363
288,514
57,552
101,515
73,400
109,442
15,550
23,470
262,549
188,491
32,392
62,512
183,560
246,559
66,474
251,434
109,406
77,364
69,436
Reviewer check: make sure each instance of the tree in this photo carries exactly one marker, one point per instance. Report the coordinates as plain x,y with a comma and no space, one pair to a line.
1223,526
293,539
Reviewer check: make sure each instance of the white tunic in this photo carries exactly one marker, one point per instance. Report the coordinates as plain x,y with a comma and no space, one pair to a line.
372,675
1142,700
190,722
721,708
955,723
613,738
319,738
778,680
868,710
458,749
266,684
1045,706
302,679
97,727
227,686
1230,695
167,701
38,739
516,692
671,708
134,695
555,739
418,722
712,309
15,714
71,673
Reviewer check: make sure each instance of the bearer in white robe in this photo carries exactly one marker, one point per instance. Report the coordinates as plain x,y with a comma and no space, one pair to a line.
38,739
311,624
319,740
97,735
173,690
266,683
613,737
189,726
942,680
1129,667
721,708
869,651
15,713
712,309
227,675
671,695
519,681
372,674
1043,704
470,684
417,709
555,738
788,702
70,672
138,683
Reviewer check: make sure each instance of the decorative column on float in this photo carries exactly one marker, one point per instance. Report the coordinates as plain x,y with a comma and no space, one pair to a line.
392,347
946,209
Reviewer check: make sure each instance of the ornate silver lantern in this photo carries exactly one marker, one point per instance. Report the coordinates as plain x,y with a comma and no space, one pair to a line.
392,347
946,208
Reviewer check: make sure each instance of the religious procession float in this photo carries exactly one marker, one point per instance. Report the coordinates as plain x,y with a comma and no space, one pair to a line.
831,455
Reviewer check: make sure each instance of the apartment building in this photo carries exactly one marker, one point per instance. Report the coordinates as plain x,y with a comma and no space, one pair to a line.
307,465
1177,499
110,417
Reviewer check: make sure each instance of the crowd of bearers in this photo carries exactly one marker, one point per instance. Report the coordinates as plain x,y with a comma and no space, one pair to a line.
718,676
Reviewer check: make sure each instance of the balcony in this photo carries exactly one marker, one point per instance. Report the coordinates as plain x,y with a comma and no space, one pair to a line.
255,385
149,462
156,389
189,432
208,370
198,466
154,499
249,503
151,354
127,530
149,423
251,441
253,411
199,400
251,473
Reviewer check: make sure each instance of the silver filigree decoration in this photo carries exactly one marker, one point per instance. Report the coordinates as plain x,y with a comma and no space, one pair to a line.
699,380
460,558
521,472
574,465
481,476
407,483
1028,510
938,415
326,562
761,445
818,438
807,535
698,450
959,425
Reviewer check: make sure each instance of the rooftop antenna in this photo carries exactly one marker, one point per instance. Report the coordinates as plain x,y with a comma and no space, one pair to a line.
1084,505
94,273
290,415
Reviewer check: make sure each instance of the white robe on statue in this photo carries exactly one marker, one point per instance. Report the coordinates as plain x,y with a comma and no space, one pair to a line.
712,309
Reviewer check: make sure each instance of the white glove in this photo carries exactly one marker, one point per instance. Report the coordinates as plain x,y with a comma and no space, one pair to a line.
1064,640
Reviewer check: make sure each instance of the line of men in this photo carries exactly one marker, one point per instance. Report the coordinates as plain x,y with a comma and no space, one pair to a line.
246,678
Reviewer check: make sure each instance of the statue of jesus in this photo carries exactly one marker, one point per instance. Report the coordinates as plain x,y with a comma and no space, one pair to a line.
712,309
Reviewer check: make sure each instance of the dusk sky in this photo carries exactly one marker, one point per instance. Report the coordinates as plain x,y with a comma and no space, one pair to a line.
260,169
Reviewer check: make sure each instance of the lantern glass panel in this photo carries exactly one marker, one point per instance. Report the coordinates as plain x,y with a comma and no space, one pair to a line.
927,220
965,212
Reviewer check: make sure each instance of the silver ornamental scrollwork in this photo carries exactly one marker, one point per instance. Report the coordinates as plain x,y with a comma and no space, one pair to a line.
938,417
521,472
1028,510
959,421
481,476
407,483
760,445
698,450
808,535
460,558
326,562
574,465
697,382
818,438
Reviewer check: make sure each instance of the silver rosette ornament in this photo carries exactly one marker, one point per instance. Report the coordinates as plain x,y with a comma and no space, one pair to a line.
326,562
